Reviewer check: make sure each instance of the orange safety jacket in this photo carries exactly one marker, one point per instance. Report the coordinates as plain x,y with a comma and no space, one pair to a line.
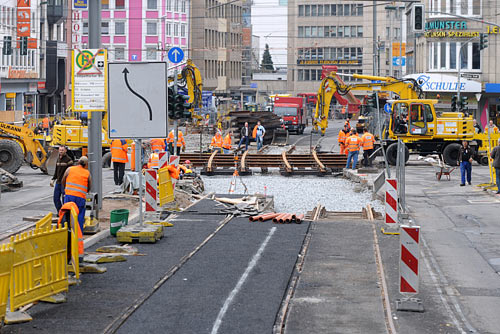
132,156
180,138
154,161
353,143
77,182
227,142
254,131
157,144
119,151
367,141
342,136
216,140
173,171
68,207
45,123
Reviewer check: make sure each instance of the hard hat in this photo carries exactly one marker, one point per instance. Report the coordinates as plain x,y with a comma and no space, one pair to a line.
187,162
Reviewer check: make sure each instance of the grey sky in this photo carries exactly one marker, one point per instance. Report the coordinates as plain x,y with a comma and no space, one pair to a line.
269,22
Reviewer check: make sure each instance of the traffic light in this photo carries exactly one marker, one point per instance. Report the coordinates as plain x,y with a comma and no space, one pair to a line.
171,103
418,18
454,103
463,104
483,41
186,106
7,45
371,101
24,46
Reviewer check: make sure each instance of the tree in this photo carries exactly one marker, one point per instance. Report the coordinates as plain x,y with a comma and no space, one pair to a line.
267,60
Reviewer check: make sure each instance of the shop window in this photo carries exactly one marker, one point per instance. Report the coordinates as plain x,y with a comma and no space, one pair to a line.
120,4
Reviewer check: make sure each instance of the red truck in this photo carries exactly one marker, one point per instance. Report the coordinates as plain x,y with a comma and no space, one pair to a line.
292,113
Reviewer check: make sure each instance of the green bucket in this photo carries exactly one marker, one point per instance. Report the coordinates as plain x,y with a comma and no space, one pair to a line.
118,218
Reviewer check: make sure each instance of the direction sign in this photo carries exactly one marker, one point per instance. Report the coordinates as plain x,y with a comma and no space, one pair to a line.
175,55
137,100
89,71
396,61
387,108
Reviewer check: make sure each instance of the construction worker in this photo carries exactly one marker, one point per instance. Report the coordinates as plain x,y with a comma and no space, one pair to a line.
64,217
180,142
353,143
154,160
119,158
245,136
185,168
491,126
367,142
348,123
77,182
46,125
157,145
260,133
227,143
343,133
216,143
63,162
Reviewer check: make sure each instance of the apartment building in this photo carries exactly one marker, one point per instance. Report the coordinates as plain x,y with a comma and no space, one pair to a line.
217,44
338,33
451,44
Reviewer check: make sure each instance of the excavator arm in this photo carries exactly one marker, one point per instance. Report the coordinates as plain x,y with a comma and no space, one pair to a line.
190,78
331,84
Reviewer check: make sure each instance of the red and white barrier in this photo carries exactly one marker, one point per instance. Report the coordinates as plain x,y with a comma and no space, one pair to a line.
151,189
174,160
408,265
163,160
391,201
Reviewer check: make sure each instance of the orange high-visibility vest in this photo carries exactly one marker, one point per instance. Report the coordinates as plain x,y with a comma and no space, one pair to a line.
341,138
67,207
154,161
119,151
254,131
173,171
227,142
45,122
353,143
367,141
132,156
157,144
217,140
77,182
180,139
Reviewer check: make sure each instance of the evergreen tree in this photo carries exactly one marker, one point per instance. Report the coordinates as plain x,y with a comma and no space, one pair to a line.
267,61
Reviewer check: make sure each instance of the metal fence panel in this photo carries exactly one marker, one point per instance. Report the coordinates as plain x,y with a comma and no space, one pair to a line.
165,186
6,257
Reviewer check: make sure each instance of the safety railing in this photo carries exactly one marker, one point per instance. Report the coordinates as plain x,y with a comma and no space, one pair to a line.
6,257
165,186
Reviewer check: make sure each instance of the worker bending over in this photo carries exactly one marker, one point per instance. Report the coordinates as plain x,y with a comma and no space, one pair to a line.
367,142
353,143
77,182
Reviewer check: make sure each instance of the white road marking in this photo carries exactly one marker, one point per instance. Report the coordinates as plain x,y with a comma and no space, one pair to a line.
241,281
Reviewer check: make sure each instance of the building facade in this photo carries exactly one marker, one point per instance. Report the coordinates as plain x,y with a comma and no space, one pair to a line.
217,44
451,45
336,33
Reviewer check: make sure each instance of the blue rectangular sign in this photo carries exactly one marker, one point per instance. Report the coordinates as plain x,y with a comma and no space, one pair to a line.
396,61
80,4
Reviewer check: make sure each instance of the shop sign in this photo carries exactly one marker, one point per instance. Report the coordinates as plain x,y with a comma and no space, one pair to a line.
23,18
76,28
446,25
435,82
451,34
329,62
41,84
79,4
21,74
10,95
492,30
32,86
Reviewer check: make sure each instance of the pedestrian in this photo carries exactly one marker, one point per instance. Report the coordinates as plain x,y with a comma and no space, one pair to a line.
76,183
261,132
477,127
119,158
216,144
64,161
491,126
245,136
353,143
227,143
367,141
495,155
465,162
343,133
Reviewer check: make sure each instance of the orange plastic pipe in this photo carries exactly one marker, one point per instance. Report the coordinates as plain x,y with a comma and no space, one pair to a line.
267,216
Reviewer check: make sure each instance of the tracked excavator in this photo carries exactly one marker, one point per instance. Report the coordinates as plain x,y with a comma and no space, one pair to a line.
411,118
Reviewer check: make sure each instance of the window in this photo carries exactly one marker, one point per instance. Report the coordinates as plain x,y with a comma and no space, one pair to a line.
105,28
333,31
176,30
347,31
476,57
360,10
183,30
326,10
301,31
360,31
300,75
301,10
464,57
307,10
306,75
347,10
321,31
119,28
119,53
308,31
151,28
105,4
320,10
169,5
176,5
152,4
183,8
85,28
340,9
476,7
314,31
443,55
333,9
340,31
151,53
169,30
119,4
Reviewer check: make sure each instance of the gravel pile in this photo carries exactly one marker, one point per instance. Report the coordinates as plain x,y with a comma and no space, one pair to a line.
300,194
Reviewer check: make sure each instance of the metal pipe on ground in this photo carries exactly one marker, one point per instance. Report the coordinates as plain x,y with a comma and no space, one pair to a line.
268,216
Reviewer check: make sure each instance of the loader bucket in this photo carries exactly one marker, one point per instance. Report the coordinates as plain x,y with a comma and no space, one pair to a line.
49,166
280,137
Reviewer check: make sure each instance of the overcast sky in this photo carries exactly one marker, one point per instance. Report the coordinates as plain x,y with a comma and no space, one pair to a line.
269,22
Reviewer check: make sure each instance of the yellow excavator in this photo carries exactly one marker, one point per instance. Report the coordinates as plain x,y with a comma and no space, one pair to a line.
190,79
412,119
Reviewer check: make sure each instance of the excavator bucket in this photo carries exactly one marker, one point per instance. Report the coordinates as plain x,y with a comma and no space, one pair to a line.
280,137
49,166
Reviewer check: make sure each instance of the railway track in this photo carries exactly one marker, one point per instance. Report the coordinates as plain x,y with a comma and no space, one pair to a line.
288,163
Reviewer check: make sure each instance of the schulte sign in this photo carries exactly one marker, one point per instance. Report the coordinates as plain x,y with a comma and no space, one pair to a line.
434,82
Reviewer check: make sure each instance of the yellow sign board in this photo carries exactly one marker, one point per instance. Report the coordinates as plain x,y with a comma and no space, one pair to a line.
395,49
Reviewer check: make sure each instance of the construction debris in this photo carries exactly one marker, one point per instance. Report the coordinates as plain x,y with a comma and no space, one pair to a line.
104,258
246,206
8,181
121,249
279,218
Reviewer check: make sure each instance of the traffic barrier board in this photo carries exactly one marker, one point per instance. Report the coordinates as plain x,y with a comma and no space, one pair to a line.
409,260
6,259
165,185
151,187
391,201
